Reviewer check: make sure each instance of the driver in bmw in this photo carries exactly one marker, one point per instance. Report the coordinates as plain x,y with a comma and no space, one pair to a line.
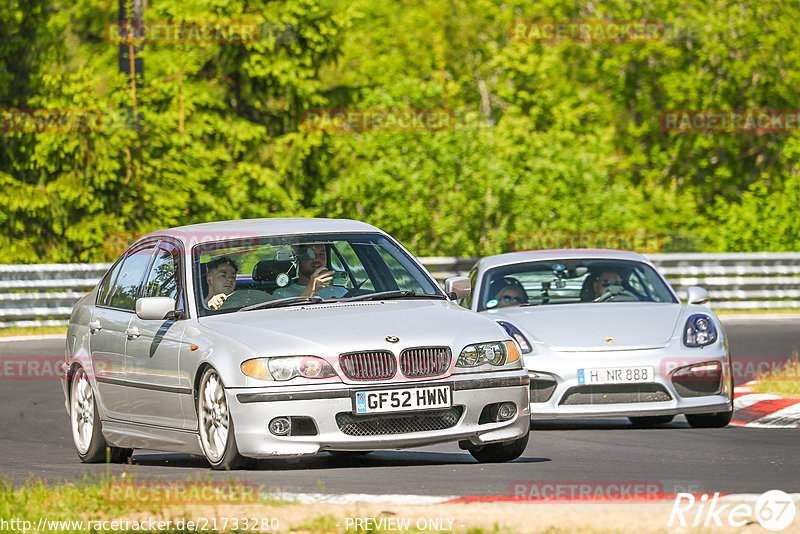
221,279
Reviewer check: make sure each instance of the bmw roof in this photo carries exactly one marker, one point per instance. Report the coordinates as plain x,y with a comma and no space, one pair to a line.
250,228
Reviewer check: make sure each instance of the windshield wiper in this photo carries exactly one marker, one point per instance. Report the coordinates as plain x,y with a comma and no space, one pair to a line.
395,294
281,303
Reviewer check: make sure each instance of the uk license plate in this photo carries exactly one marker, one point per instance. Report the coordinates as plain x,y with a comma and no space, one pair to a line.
402,400
616,375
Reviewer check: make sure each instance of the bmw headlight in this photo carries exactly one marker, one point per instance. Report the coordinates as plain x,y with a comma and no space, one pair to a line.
514,332
286,368
495,353
699,331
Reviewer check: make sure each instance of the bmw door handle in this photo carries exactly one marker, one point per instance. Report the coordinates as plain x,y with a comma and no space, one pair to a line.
132,332
94,326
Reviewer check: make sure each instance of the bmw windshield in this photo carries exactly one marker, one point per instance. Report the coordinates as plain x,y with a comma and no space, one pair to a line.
268,272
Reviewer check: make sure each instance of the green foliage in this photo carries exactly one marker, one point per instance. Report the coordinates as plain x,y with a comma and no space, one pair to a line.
547,137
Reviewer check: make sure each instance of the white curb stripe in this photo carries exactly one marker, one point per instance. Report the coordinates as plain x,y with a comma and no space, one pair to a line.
349,498
788,417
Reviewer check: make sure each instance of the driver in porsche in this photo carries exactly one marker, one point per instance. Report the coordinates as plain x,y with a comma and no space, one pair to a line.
605,281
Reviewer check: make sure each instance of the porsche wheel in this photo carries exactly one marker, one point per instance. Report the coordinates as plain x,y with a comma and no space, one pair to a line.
650,420
709,420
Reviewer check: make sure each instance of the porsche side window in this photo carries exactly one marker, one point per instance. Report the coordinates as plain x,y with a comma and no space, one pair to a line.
636,284
126,288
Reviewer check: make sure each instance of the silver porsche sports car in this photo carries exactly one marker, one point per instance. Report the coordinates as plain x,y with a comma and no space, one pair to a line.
286,337
603,334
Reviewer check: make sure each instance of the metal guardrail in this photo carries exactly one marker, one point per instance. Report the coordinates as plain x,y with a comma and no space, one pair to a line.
43,295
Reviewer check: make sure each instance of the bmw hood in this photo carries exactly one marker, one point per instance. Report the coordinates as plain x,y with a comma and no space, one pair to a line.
596,326
335,328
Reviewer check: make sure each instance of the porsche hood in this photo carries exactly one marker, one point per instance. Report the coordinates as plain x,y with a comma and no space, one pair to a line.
596,326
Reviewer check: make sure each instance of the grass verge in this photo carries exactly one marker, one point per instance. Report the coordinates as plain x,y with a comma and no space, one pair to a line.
32,331
755,311
784,382
98,502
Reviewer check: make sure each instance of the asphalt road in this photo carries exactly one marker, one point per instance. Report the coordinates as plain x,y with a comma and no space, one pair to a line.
35,441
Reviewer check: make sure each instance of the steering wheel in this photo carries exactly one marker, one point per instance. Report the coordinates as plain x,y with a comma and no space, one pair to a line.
244,297
613,292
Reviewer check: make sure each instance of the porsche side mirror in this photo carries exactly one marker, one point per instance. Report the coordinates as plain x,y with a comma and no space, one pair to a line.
154,308
697,295
457,287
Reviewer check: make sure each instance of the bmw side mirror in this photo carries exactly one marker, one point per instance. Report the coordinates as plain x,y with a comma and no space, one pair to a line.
457,287
155,308
697,295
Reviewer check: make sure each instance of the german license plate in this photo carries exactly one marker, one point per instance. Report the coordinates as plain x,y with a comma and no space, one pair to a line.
616,375
402,400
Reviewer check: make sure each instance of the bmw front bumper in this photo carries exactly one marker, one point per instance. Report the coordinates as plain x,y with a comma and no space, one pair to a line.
325,420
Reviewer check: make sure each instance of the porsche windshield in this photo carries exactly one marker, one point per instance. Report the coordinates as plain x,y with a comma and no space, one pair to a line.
252,273
572,281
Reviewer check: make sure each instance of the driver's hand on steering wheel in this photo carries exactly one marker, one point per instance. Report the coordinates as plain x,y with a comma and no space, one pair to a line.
216,301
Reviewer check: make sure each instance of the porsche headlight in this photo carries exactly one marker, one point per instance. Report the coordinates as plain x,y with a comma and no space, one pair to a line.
699,331
289,367
514,332
495,353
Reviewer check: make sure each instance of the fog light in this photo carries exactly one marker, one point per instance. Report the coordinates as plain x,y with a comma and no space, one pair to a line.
506,411
280,426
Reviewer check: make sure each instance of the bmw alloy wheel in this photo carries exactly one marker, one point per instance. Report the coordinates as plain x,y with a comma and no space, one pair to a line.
216,424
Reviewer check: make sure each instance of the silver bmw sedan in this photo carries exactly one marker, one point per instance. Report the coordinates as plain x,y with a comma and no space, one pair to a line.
286,337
